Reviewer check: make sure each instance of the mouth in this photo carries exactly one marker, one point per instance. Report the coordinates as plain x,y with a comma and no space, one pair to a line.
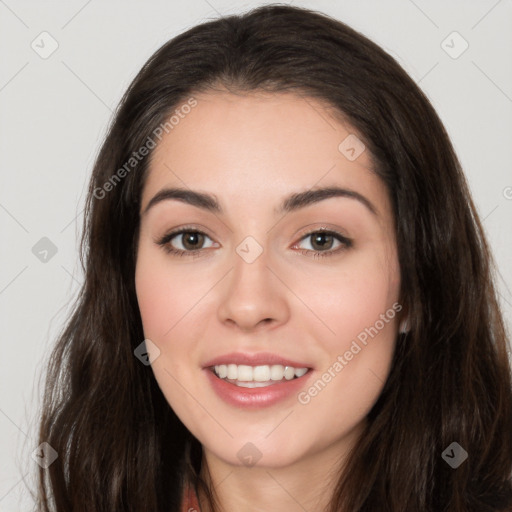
256,381
261,376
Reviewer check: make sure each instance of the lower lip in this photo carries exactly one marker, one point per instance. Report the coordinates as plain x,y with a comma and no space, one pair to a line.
256,398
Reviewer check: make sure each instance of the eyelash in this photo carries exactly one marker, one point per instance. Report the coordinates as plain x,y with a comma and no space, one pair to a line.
164,242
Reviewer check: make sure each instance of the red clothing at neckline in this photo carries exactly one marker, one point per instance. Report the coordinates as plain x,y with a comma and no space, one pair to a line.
190,501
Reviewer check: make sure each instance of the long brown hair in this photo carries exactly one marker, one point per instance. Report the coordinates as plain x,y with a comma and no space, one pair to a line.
121,447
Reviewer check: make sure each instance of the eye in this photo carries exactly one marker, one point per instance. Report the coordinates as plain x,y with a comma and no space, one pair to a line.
185,242
188,241
322,242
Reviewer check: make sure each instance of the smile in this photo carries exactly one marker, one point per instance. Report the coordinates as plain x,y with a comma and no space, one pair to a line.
257,376
256,380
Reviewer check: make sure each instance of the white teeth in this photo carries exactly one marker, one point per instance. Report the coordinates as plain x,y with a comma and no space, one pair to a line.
258,374
222,371
299,372
289,373
277,372
232,371
241,384
261,373
244,373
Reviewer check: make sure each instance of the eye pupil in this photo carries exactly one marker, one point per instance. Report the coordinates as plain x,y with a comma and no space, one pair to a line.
319,240
192,239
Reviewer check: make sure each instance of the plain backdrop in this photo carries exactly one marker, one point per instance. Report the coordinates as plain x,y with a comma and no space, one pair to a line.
54,111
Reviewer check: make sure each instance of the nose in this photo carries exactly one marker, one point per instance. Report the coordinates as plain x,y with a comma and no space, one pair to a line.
253,296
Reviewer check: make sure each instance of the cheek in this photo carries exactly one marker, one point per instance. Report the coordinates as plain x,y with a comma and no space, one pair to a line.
174,303
165,293
353,298
166,297
359,305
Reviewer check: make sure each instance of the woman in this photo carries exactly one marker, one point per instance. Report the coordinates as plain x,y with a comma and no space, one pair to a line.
288,301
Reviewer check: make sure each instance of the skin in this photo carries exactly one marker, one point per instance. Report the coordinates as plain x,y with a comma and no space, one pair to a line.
251,151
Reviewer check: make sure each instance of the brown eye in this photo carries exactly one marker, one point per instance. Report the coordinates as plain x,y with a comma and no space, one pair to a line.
321,241
186,241
192,240
324,243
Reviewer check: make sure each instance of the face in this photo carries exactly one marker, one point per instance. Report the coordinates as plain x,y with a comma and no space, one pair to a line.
290,292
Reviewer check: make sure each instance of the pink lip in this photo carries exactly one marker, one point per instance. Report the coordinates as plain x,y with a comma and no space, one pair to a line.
256,398
262,358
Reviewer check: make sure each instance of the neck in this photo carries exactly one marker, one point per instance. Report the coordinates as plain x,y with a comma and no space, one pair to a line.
307,484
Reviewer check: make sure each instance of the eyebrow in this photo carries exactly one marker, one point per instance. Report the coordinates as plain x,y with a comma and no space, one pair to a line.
291,203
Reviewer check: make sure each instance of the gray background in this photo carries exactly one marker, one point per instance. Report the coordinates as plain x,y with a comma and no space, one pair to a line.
55,111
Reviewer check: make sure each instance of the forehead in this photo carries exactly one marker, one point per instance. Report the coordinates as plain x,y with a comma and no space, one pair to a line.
261,146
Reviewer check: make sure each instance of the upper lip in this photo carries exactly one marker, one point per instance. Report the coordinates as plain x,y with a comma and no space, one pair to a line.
258,359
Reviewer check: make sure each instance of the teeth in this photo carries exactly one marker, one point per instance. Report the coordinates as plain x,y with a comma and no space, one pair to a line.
289,373
244,373
276,372
261,373
255,374
222,371
232,371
